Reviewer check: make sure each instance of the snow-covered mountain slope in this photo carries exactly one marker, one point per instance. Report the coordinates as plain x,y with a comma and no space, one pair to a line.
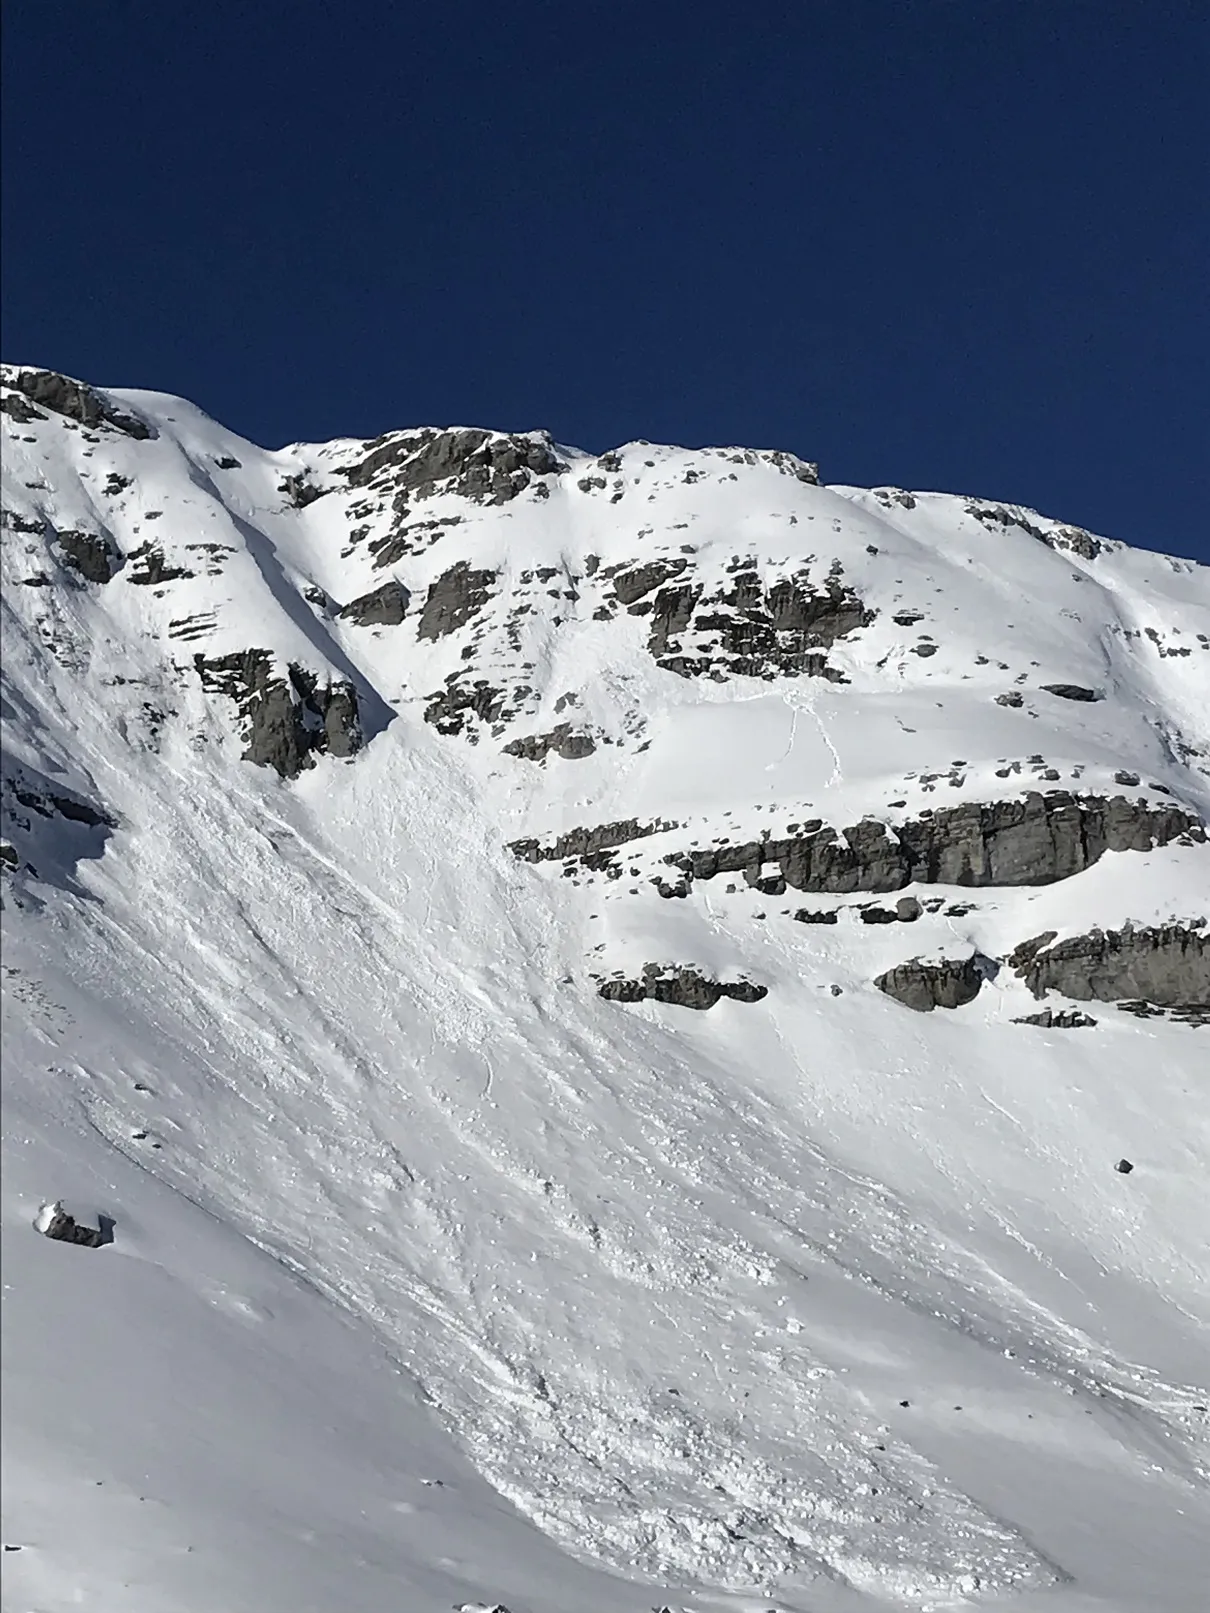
379,818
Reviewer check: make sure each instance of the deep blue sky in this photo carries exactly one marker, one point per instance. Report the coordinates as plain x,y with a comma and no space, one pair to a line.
955,244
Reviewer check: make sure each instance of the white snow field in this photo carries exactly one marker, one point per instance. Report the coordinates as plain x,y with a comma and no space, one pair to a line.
438,1280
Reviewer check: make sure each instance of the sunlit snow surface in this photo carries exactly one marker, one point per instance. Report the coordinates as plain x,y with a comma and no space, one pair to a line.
438,1280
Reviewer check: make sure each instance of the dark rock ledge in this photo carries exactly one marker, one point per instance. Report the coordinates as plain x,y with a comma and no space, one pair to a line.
681,985
1032,841
1167,965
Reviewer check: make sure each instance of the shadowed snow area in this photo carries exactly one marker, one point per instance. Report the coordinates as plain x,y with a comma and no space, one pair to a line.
439,1279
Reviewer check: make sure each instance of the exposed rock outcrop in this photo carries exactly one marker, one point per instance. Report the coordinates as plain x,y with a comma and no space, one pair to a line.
681,985
453,599
563,739
587,842
925,986
48,829
745,629
53,1221
381,607
1034,841
286,720
149,567
49,803
878,915
485,466
1168,965
93,554
632,583
1059,1019
1074,539
1072,691
450,708
17,407
73,399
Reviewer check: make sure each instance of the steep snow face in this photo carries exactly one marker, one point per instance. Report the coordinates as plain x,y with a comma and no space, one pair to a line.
559,973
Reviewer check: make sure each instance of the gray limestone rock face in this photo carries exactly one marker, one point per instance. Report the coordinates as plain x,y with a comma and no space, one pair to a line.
74,400
925,986
94,555
453,599
565,741
1168,964
746,629
680,985
1033,841
484,466
381,607
286,721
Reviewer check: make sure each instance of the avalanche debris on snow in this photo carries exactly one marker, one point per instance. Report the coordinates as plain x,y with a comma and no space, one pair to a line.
491,1273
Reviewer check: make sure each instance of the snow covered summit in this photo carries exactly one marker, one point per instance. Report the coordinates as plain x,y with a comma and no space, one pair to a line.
622,978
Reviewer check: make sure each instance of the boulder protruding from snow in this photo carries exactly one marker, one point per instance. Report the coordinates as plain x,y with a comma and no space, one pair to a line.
53,1221
925,986
570,743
